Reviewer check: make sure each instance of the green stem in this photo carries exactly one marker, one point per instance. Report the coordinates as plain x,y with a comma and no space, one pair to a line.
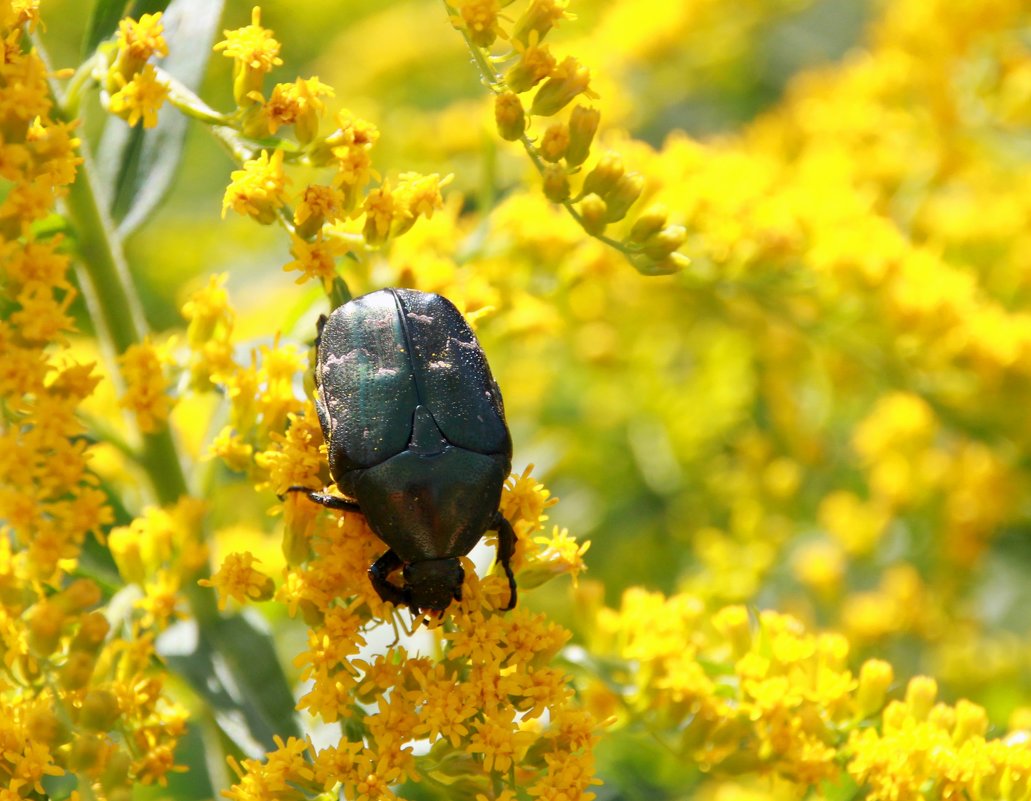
76,84
113,297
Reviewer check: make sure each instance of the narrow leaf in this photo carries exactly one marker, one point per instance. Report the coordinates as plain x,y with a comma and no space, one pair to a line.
233,666
103,22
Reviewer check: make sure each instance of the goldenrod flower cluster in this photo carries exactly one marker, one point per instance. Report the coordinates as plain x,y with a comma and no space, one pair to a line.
134,90
738,696
80,695
328,220
607,191
487,709
812,435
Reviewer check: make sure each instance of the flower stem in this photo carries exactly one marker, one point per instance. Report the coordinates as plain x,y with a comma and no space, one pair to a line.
115,306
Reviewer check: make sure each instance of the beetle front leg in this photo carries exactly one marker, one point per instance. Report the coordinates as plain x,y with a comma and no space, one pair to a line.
327,500
378,573
506,550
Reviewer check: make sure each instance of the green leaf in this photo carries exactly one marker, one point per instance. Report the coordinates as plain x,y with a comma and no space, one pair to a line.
140,165
103,22
232,665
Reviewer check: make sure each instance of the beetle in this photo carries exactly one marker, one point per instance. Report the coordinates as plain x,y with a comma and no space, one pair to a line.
415,429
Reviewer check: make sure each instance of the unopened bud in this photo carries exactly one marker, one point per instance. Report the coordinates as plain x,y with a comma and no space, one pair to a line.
583,125
509,116
920,694
665,242
623,195
86,752
93,629
648,224
667,265
554,142
556,183
602,179
116,772
875,677
45,622
79,595
44,726
78,670
592,212
99,710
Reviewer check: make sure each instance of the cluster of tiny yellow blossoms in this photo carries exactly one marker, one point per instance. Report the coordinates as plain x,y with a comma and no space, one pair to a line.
80,700
133,88
828,412
764,697
604,194
328,220
489,710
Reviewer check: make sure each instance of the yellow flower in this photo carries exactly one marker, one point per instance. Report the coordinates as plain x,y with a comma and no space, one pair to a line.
299,104
381,209
498,742
140,97
567,81
535,64
539,18
259,189
142,38
316,259
238,579
480,19
255,52
317,206
146,387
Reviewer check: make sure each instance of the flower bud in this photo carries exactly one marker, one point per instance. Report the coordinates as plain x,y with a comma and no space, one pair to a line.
875,677
556,183
509,116
44,726
592,212
570,79
648,224
920,694
665,242
78,670
554,142
602,179
80,594
99,711
45,622
667,265
86,752
583,125
971,721
116,772
623,195
92,632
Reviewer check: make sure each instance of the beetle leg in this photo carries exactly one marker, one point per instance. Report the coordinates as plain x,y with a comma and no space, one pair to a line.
506,550
378,573
327,500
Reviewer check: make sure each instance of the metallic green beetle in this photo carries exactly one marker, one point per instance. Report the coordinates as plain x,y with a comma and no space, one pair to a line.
415,428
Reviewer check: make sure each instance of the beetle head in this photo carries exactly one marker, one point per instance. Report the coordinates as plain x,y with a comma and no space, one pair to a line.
433,584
